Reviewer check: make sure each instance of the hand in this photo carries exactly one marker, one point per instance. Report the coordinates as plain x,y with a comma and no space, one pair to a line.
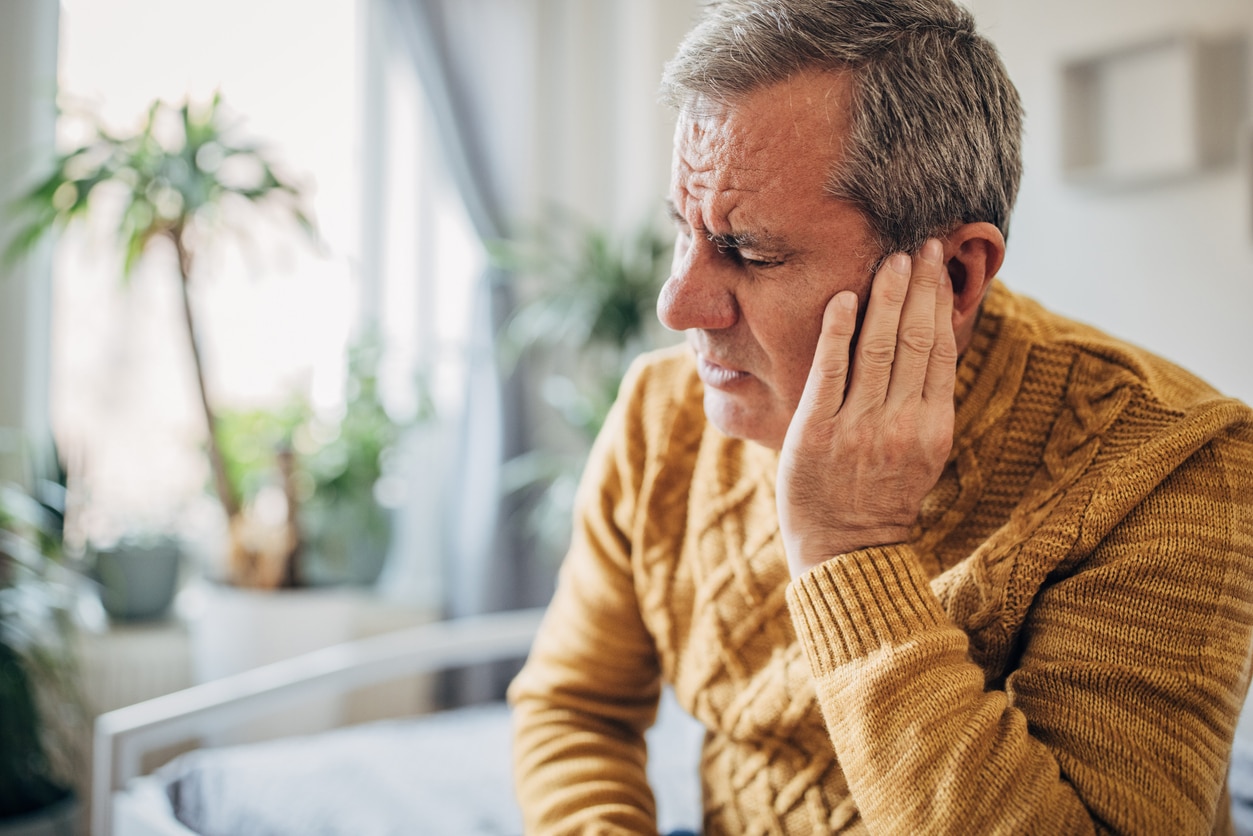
860,455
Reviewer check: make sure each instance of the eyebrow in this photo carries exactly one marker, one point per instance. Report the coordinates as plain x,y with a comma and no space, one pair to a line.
747,240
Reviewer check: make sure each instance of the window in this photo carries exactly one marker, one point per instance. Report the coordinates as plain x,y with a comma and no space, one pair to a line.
276,316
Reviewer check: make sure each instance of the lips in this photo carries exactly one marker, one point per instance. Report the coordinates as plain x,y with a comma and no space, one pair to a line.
717,375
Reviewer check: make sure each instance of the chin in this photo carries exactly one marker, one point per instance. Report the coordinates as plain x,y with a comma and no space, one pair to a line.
739,420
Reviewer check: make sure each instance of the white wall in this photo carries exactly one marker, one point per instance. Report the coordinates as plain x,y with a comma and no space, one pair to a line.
28,50
608,152
1168,266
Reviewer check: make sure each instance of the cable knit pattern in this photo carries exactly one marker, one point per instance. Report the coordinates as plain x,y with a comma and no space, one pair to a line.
1063,648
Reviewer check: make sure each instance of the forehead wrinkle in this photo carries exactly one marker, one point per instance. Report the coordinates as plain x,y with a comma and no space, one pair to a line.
737,238
721,205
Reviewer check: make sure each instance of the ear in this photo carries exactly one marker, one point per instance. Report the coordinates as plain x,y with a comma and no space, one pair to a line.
972,253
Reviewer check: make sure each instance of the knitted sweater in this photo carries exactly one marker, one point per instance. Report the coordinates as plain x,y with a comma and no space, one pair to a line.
1062,648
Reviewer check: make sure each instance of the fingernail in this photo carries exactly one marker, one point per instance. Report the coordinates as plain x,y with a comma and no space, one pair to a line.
899,263
846,299
932,251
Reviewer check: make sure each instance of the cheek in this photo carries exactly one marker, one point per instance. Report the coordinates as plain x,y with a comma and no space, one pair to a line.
789,335
803,308
800,358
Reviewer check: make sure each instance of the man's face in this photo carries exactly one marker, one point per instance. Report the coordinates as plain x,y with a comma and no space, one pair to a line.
761,246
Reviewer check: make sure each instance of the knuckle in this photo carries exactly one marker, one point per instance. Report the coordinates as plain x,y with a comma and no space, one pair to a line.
877,354
892,292
833,372
927,278
944,352
918,339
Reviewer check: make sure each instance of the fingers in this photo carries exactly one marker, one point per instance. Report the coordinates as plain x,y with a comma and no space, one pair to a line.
894,354
872,433
876,348
916,334
828,375
942,366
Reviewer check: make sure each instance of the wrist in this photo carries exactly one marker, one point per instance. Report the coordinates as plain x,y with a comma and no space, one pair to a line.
806,552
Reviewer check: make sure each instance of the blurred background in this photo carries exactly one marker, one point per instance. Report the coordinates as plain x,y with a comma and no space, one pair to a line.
402,399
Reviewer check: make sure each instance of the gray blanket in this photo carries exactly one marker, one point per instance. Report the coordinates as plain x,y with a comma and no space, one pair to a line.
448,773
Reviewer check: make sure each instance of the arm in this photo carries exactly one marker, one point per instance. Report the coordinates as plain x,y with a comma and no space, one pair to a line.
591,684
1118,717
1120,711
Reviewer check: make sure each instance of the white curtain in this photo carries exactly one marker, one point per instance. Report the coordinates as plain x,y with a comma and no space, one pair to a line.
28,44
481,121
536,103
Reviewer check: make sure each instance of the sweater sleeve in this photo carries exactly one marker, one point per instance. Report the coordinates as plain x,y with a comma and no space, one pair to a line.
590,686
1119,713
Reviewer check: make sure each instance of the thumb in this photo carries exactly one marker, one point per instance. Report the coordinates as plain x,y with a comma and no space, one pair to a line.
828,376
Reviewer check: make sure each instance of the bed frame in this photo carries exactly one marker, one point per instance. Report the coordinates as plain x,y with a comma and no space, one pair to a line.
124,736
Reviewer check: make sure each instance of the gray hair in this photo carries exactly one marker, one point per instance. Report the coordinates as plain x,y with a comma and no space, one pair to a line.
936,124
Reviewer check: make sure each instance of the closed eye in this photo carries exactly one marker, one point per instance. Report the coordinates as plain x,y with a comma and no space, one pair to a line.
728,246
680,222
757,262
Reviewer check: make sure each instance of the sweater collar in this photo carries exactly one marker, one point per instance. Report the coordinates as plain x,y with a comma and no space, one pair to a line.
981,368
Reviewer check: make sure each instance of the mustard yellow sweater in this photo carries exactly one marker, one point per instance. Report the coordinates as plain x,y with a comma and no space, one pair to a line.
1063,648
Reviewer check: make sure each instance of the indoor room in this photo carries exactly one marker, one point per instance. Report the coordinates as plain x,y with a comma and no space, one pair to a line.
311,312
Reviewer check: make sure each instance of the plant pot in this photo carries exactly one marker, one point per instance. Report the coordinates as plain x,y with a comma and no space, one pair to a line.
237,629
344,543
57,819
137,579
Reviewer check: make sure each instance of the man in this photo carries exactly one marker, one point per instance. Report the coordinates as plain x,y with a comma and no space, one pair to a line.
921,556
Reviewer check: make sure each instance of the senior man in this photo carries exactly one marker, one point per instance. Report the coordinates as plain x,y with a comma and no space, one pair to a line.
921,556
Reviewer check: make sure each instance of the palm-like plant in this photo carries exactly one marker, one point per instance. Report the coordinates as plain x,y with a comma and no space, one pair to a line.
594,303
590,311
181,176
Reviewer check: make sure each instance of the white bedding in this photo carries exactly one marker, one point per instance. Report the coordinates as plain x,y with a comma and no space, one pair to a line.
444,774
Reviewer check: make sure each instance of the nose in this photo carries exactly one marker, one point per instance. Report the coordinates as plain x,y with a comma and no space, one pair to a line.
698,293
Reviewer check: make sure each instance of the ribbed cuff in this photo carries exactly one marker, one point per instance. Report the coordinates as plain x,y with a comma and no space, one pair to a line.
854,604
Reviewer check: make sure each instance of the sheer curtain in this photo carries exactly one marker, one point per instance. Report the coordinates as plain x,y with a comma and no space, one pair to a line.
480,123
28,58
536,104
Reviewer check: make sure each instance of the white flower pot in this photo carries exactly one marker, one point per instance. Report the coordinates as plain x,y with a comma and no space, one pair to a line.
234,630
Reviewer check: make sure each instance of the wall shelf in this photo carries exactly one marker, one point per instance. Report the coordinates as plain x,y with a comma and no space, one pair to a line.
1153,111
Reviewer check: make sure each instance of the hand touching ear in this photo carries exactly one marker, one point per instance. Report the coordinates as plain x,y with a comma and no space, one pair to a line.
872,432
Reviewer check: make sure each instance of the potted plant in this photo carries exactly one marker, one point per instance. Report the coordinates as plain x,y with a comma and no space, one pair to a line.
332,469
182,177
185,180
589,307
330,465
41,713
137,574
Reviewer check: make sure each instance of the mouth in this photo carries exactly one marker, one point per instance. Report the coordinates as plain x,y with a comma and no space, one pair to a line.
717,375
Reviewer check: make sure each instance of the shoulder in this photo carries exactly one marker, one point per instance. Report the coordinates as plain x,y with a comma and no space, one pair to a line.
660,395
657,419
1150,389
1121,420
661,377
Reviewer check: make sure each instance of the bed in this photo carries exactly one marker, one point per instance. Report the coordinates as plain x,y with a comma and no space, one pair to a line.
445,773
